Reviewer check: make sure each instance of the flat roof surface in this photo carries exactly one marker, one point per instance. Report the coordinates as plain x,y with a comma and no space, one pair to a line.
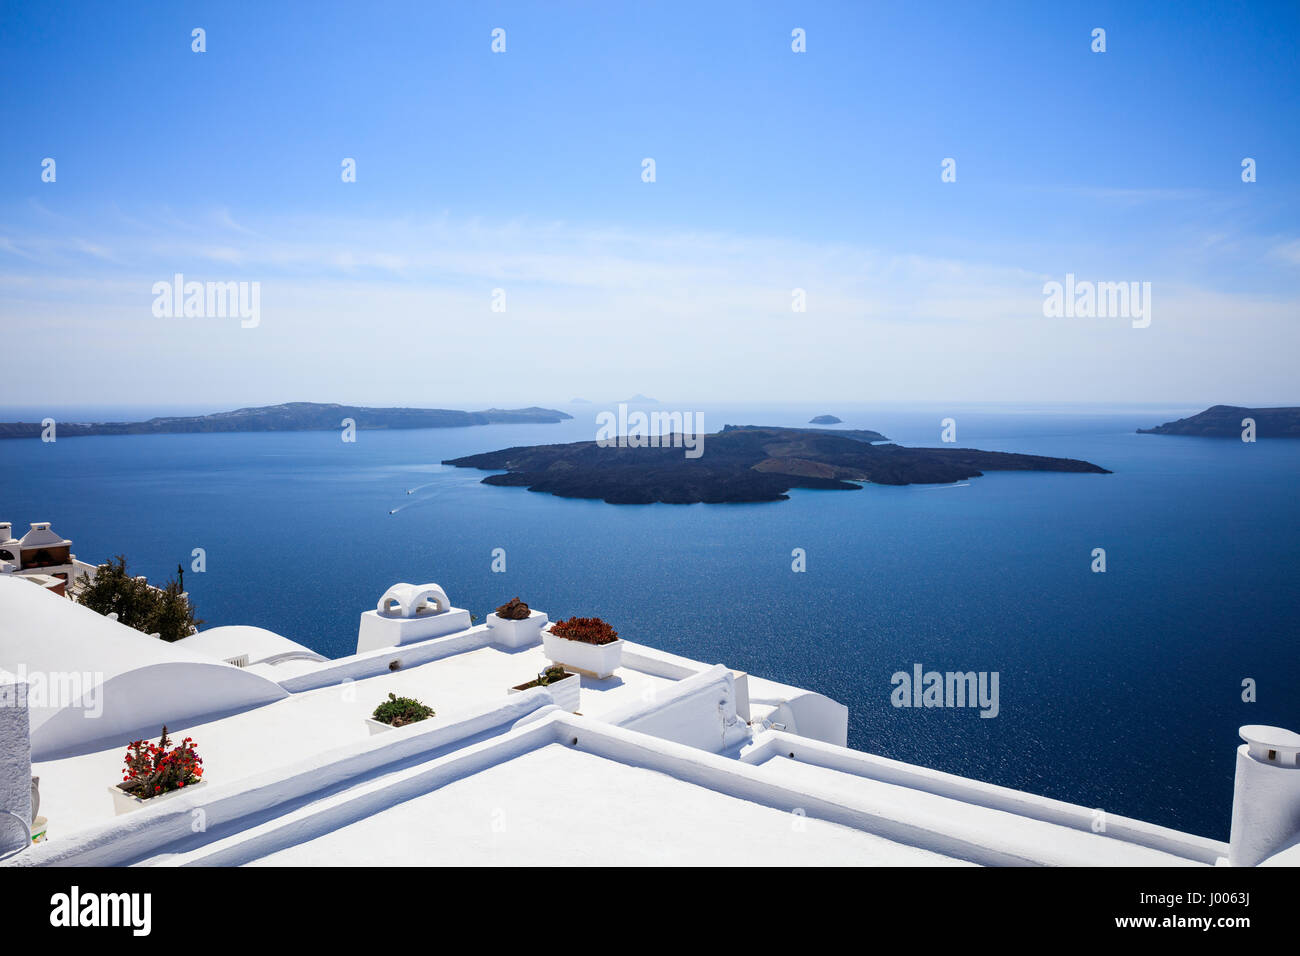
560,806
74,790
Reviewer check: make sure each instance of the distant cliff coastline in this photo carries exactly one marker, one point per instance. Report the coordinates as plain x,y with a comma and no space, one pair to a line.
294,417
743,463
1225,421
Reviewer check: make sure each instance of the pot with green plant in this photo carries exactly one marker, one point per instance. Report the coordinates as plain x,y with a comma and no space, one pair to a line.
154,773
585,644
565,686
398,712
515,624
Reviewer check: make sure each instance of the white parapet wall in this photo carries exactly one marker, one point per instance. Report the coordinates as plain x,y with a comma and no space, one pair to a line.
924,780
387,658
1265,795
699,711
15,764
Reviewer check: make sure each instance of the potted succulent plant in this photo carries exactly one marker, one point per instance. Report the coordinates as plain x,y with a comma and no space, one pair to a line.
397,712
565,686
584,644
514,624
152,772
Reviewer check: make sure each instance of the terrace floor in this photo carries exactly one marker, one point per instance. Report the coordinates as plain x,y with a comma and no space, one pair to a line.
560,806
74,790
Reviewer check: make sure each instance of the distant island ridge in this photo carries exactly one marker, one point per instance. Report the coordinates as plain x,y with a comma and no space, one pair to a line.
825,420
743,463
295,416
1225,421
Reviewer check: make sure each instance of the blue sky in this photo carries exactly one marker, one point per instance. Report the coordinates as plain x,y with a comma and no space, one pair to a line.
774,171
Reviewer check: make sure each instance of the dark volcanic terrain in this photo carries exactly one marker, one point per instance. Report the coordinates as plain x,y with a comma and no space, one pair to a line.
744,463
294,417
1224,421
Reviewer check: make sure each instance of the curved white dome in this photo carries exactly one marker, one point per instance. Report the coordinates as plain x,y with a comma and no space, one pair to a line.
253,645
93,680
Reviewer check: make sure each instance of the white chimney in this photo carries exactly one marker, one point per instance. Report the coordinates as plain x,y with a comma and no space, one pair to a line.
6,531
1266,794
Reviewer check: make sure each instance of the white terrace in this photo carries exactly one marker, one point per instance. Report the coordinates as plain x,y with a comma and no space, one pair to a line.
646,758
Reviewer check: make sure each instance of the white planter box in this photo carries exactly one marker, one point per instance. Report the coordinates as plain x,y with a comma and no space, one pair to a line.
567,692
517,633
124,802
378,726
599,660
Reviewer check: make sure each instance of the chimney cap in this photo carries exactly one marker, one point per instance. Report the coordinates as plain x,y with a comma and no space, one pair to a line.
1263,738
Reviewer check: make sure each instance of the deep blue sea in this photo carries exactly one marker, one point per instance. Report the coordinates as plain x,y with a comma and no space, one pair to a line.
1119,690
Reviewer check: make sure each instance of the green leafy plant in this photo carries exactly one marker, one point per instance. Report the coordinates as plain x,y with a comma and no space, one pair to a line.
513,610
553,674
588,630
400,711
166,612
151,770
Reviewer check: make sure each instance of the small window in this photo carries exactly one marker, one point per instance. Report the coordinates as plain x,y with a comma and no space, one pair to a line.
1272,755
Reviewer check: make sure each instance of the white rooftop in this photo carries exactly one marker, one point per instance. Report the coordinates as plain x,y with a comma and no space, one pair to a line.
93,678
255,645
40,536
667,761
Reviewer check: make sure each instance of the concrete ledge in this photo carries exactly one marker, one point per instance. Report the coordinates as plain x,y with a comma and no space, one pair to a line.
873,767
374,662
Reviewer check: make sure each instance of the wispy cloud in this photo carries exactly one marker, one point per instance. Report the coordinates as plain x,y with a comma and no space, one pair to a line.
682,311
1288,252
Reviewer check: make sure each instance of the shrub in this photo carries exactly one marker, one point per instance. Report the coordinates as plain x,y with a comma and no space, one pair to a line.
166,612
400,711
588,630
513,610
151,771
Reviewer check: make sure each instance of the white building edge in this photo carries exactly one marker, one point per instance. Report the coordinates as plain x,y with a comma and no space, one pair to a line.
666,761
